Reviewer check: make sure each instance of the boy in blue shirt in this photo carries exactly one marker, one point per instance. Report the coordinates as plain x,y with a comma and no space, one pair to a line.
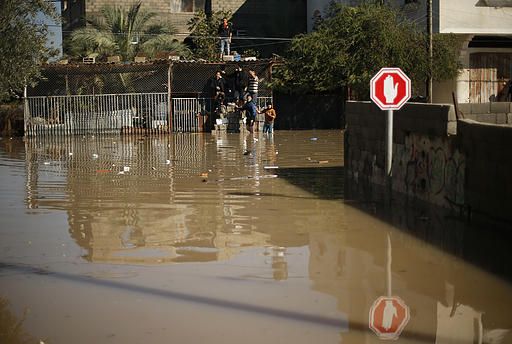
252,111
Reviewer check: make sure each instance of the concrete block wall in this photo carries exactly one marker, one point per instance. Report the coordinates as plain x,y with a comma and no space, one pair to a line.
251,18
227,5
492,113
462,164
426,163
162,9
488,154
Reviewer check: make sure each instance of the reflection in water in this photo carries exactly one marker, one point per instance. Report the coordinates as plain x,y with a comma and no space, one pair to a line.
145,200
266,224
11,328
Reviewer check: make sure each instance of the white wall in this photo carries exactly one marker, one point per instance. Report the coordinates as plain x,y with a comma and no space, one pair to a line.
465,17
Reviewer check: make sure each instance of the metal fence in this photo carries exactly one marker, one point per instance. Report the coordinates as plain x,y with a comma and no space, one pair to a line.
196,114
117,113
130,98
98,114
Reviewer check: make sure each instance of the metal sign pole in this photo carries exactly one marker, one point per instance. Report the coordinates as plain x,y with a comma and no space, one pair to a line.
389,291
389,153
389,140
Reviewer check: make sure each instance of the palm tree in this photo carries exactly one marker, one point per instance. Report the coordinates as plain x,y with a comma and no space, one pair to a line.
126,33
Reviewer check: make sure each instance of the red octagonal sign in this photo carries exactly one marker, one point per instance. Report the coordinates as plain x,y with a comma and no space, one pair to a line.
388,317
390,88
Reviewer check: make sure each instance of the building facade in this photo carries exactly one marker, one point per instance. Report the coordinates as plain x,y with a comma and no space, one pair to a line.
262,19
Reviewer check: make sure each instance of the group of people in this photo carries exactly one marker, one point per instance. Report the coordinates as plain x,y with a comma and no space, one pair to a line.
252,110
237,86
244,92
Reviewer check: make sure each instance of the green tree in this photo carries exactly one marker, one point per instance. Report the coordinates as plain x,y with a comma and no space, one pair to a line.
23,44
125,32
352,43
204,35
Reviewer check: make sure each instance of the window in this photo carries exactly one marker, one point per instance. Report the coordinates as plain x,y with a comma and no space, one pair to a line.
178,6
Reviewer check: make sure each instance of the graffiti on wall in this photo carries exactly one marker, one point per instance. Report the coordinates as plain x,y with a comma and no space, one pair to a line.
430,168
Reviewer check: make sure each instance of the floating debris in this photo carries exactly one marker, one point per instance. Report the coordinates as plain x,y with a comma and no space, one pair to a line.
153,168
70,153
247,153
47,163
314,138
323,161
95,156
268,176
120,172
167,162
126,168
204,175
271,167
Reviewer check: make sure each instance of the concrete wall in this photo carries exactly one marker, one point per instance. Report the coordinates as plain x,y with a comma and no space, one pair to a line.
308,111
491,113
474,17
463,165
488,186
161,7
424,160
268,18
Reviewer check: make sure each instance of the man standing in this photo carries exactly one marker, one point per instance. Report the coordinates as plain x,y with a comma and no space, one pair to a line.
218,84
225,34
253,86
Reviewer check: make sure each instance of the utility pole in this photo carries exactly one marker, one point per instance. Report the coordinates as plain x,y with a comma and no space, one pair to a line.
430,51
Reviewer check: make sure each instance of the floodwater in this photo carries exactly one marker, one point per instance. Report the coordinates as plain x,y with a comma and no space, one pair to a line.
228,238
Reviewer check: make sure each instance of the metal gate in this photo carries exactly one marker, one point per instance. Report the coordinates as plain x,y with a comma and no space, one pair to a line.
490,77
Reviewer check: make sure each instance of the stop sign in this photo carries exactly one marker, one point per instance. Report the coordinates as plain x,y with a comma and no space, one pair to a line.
388,317
390,88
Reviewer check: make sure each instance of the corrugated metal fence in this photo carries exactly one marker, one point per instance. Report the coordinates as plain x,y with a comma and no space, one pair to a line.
490,75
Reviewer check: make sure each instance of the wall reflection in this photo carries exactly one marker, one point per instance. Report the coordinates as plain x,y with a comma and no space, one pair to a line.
143,200
450,300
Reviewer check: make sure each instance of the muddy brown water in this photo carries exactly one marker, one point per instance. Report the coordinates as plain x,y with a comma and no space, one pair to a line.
228,238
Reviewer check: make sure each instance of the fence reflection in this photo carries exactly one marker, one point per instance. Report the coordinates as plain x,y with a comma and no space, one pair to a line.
138,199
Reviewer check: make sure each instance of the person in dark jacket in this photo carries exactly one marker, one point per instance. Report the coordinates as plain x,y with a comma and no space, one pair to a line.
239,84
218,84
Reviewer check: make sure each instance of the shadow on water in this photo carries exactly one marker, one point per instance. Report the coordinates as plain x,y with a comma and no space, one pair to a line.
323,182
483,244
303,317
